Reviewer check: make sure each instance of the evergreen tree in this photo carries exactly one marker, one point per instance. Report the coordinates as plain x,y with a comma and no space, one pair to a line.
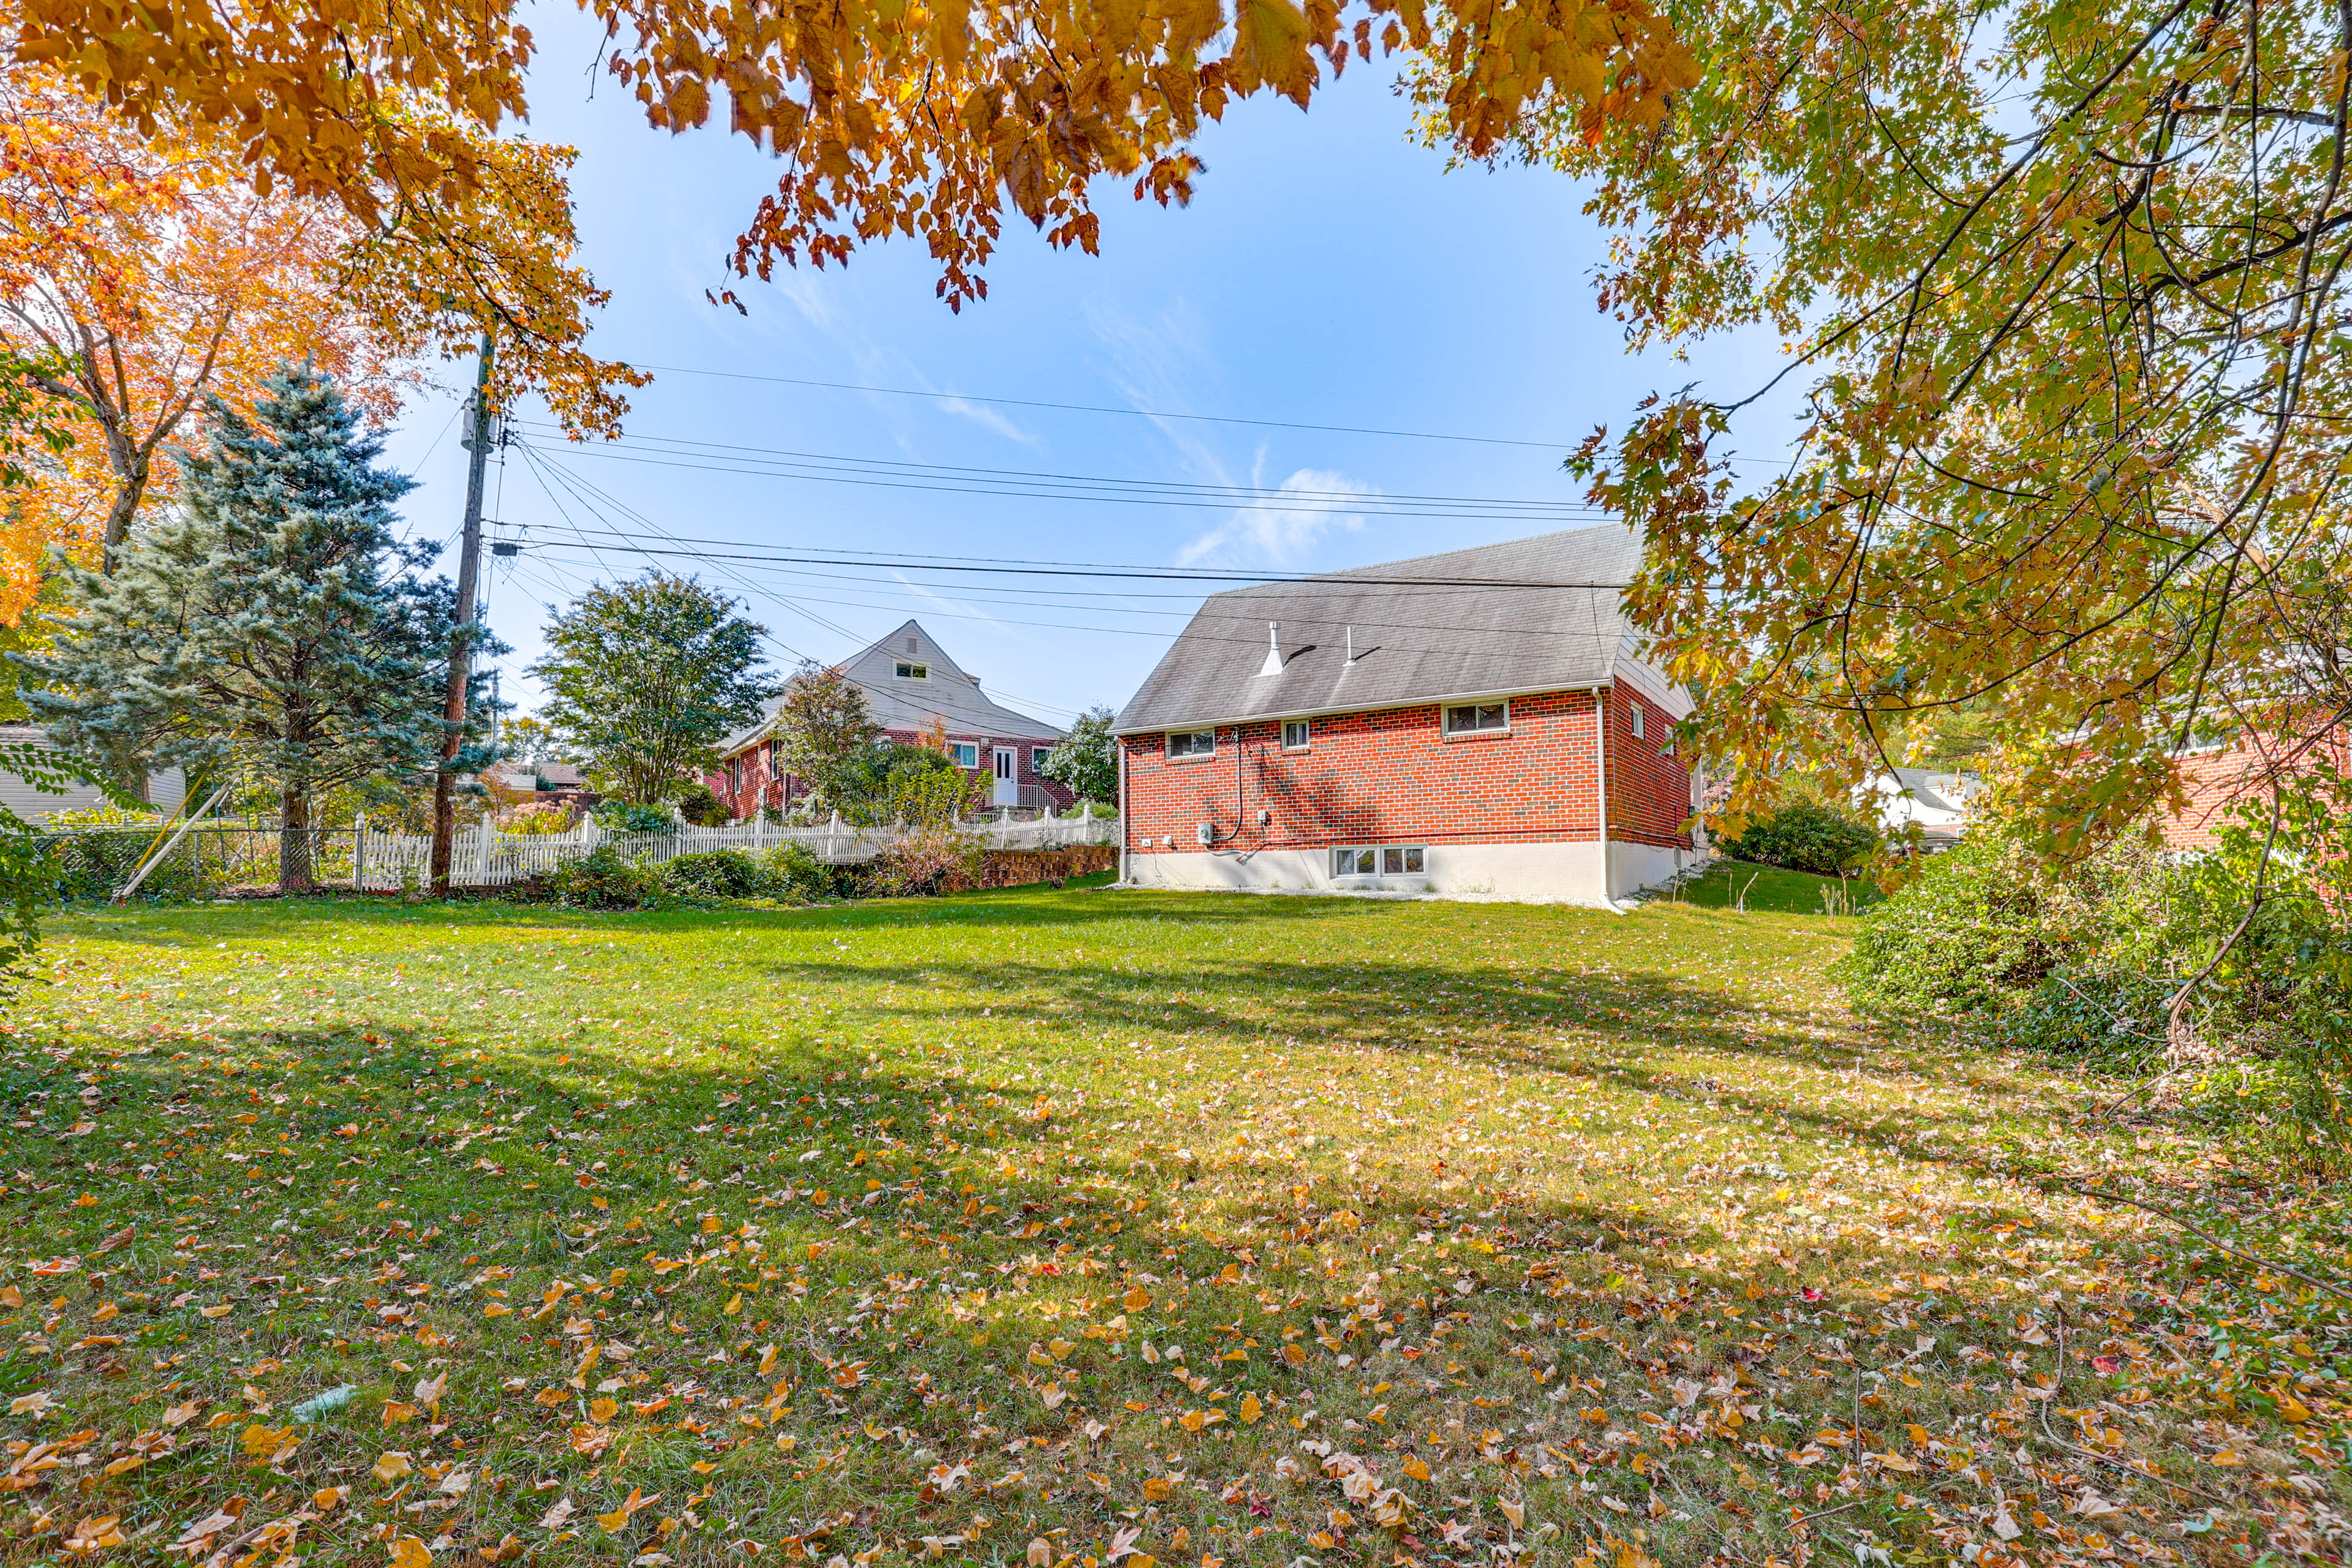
271,629
645,678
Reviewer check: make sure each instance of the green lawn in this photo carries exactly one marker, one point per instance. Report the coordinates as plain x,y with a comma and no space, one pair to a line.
1088,1226
1769,890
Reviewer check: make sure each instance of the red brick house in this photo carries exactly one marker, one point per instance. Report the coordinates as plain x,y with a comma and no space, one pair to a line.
2216,778
916,691
1475,724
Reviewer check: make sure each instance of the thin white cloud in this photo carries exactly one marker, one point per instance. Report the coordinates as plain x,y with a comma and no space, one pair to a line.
987,418
1276,532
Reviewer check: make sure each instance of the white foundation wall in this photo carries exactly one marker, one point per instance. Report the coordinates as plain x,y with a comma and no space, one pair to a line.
1540,873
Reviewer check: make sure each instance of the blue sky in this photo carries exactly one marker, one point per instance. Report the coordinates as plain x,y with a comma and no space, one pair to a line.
1328,272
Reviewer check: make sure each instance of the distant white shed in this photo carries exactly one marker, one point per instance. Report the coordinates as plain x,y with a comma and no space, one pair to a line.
165,789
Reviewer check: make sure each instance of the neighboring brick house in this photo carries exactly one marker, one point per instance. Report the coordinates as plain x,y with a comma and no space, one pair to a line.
2215,778
1472,724
916,692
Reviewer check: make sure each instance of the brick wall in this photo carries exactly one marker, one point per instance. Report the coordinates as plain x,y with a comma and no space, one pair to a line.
1390,776
2217,780
758,785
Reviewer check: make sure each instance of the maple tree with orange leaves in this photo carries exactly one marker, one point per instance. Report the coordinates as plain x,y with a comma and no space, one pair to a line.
923,118
140,276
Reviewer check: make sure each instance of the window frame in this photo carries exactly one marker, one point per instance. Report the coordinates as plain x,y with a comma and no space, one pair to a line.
1306,728
956,751
1635,720
911,669
1037,755
1168,746
1476,732
1406,854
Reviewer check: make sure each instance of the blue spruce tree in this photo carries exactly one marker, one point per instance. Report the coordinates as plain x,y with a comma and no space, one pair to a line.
272,629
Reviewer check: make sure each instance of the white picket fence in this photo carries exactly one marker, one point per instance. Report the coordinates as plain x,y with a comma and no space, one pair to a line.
485,857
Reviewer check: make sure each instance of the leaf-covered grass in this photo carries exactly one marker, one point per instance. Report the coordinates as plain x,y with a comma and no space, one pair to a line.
1085,1226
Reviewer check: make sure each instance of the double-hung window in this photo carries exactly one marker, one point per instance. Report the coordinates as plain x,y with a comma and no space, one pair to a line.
1192,743
1478,719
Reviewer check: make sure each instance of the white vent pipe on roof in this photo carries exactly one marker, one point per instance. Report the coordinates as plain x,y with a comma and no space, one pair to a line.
1273,665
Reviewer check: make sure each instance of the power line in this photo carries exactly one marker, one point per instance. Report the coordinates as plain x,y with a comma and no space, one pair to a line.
1098,409
961,471
1140,492
577,484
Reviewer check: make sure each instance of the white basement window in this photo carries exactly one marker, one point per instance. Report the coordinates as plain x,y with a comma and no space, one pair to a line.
1191,743
1479,719
1378,861
1294,734
965,752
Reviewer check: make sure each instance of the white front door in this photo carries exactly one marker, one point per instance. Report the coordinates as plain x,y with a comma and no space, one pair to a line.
1008,777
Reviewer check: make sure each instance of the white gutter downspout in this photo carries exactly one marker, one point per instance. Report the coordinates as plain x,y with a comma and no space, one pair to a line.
1123,818
1600,731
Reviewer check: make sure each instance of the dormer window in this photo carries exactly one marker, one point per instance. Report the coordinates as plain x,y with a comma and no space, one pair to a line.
913,671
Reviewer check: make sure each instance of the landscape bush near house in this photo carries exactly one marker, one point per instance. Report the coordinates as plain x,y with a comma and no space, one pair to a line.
609,878
2086,959
1086,759
630,816
1807,836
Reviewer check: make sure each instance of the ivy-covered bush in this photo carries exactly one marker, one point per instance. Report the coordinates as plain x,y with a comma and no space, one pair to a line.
1806,836
2085,958
606,879
1980,926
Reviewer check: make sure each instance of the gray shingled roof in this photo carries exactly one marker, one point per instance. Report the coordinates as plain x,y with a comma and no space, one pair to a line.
1499,619
946,695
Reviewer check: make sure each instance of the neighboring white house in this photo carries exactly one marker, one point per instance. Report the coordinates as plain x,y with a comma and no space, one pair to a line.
164,790
1938,801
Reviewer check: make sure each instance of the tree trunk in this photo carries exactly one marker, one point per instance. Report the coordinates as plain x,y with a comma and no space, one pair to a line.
294,845
131,469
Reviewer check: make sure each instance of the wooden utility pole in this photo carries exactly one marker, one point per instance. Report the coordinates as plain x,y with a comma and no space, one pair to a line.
461,635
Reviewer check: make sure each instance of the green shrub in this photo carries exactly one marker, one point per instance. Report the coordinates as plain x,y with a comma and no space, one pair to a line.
1980,925
604,879
2097,1012
701,807
791,873
717,873
628,816
1806,836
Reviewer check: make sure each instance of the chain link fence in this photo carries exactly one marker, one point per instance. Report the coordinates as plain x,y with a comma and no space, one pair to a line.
211,860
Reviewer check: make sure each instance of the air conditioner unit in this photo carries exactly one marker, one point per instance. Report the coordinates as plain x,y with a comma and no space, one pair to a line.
1207,832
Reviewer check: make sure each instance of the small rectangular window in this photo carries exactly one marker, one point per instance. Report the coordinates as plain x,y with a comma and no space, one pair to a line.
913,671
1037,755
1478,718
1294,734
1637,721
1193,743
1382,860
965,752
